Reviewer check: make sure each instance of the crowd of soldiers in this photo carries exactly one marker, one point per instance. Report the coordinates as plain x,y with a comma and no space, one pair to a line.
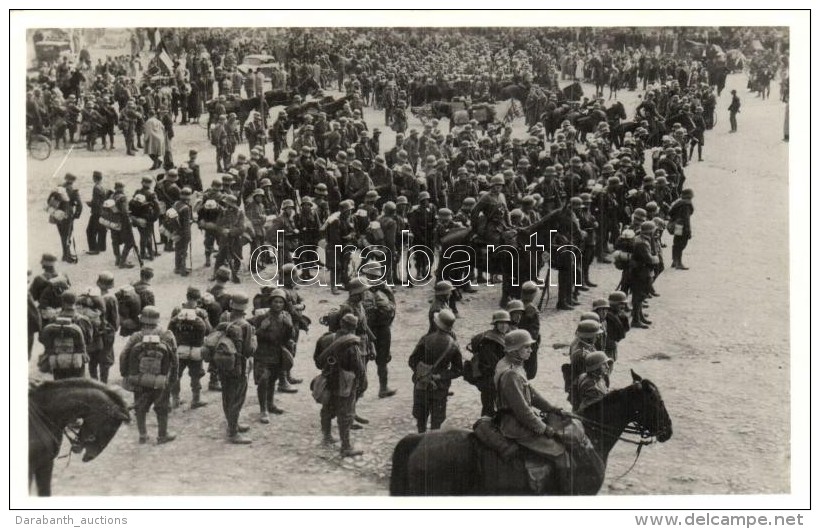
335,182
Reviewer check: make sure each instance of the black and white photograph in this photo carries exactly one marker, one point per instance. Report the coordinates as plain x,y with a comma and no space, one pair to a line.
388,259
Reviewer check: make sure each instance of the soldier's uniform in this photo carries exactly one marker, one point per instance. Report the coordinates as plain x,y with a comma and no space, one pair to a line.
274,353
339,356
531,322
71,208
441,356
146,396
189,345
230,226
380,308
234,381
339,232
95,232
49,336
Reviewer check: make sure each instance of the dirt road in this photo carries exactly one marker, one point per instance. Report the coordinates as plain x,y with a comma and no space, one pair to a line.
718,351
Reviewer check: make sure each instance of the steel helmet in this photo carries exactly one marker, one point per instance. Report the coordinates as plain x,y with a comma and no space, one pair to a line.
600,304
617,297
501,316
588,329
515,305
596,360
444,319
517,339
590,316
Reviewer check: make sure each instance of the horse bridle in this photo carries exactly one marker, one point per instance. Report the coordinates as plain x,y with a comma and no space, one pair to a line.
71,433
632,428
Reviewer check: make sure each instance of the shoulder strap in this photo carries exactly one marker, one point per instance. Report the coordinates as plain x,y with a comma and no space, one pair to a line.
442,357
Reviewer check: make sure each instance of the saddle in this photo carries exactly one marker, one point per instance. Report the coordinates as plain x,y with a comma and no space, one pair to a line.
509,467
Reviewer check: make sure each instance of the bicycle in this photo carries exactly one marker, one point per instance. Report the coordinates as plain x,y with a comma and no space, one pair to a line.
39,146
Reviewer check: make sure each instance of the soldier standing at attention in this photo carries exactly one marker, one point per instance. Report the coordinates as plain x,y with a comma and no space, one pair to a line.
274,352
149,365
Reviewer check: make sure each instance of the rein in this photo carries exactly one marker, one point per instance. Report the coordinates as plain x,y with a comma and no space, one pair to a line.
70,433
631,428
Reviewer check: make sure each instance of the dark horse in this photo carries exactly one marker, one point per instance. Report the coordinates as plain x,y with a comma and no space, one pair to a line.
53,406
447,463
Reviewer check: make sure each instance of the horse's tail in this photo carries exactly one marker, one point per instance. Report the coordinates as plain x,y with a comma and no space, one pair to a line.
401,454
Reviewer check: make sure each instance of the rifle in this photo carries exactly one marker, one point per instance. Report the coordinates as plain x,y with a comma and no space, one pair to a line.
154,240
545,290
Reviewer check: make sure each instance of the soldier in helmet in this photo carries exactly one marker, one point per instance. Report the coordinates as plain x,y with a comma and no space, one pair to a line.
488,348
422,220
339,233
490,214
230,227
181,247
156,349
616,322
190,324
435,361
66,339
531,322
274,352
593,384
680,214
516,400
642,266
340,357
234,378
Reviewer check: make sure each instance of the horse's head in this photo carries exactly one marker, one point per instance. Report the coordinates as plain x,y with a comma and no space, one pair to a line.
650,410
99,427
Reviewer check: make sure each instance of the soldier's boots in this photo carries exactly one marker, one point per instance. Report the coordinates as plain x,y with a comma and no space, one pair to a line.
207,260
142,427
327,437
263,417
239,439
385,391
284,385
347,449
271,407
164,435
175,401
213,384
196,401
292,380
